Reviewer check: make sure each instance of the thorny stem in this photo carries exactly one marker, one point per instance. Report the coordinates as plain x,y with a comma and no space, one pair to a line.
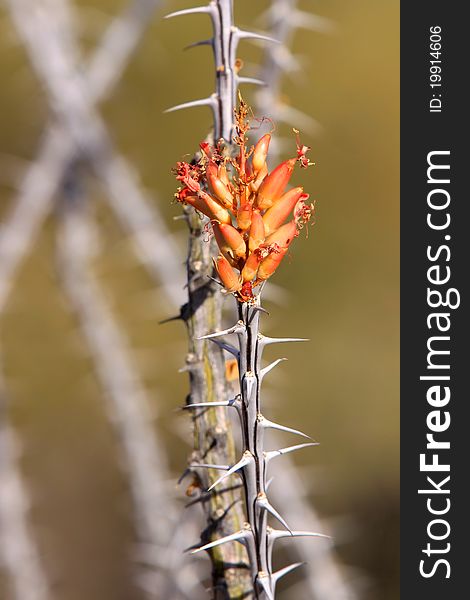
250,378
224,42
257,536
213,439
224,46
202,314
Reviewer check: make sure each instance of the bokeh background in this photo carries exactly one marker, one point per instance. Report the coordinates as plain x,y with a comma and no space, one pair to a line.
340,289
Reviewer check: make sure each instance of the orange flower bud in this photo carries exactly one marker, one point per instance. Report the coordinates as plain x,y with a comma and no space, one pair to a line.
217,186
209,207
270,264
206,148
223,176
229,278
274,184
257,233
244,216
251,266
275,216
260,152
230,242
284,235
255,184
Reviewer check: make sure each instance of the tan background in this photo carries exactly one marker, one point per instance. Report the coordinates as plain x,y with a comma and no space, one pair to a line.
342,288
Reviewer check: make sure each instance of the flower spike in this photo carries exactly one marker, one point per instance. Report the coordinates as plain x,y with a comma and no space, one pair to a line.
246,205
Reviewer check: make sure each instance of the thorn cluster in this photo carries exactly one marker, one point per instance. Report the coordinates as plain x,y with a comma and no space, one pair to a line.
247,206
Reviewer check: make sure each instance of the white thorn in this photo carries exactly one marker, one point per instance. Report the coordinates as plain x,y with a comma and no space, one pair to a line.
282,572
234,537
234,402
241,34
246,459
270,367
207,404
264,503
237,328
208,466
189,11
274,453
278,533
203,102
209,42
271,425
252,80
266,341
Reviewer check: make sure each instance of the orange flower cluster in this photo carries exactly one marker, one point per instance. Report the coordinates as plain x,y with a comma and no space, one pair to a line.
247,207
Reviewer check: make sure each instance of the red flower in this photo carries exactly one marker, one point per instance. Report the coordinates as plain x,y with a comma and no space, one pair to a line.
247,206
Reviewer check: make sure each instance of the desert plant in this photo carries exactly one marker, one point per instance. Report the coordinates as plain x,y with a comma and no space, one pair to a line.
247,208
228,183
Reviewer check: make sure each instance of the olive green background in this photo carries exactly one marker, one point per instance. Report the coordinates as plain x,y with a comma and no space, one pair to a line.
341,289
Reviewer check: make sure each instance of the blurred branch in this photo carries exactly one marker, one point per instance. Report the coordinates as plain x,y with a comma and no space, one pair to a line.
59,148
283,19
128,405
18,552
79,135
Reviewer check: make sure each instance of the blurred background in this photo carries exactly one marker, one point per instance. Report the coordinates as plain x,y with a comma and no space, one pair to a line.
340,290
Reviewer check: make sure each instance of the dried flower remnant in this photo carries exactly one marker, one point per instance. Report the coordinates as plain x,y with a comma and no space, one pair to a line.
247,206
